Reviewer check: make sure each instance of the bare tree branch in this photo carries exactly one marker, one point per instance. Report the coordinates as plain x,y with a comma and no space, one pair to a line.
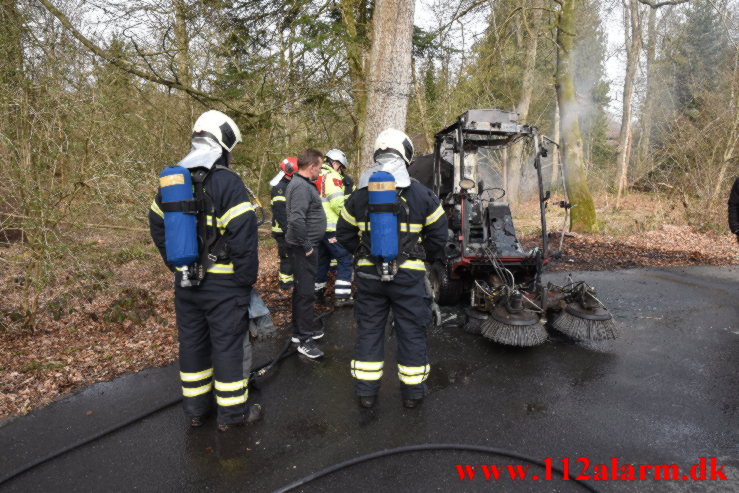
724,16
132,69
457,16
658,4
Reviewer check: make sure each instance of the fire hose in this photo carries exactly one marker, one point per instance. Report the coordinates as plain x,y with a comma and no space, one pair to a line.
256,373
427,447
260,372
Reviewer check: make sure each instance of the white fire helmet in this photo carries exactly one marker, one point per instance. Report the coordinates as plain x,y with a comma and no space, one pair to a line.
220,126
337,155
395,140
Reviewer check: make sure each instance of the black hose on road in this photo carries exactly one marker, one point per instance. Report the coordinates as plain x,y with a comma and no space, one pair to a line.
87,440
259,371
427,447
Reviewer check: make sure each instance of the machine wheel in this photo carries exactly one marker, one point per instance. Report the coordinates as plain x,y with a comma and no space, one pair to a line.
446,291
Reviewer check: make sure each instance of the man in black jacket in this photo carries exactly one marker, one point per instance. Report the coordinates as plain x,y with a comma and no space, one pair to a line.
212,315
306,225
422,228
279,219
734,209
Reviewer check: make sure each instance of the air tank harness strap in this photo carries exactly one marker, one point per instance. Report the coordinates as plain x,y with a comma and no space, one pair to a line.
214,241
186,206
391,208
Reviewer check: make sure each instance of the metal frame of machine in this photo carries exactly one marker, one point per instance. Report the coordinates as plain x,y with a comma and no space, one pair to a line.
483,256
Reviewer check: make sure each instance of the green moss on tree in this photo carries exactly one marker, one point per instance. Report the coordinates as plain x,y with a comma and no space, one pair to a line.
583,217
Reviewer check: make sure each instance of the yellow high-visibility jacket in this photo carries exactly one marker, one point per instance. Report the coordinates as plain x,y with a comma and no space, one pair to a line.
330,185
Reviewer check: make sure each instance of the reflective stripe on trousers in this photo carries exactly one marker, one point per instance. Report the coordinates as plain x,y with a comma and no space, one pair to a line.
196,383
410,305
286,277
342,289
232,393
367,370
215,352
413,375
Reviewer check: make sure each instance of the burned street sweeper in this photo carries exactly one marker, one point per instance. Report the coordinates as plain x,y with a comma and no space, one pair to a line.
484,264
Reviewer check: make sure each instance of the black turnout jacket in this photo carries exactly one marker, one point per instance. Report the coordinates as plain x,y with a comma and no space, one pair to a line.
279,207
734,208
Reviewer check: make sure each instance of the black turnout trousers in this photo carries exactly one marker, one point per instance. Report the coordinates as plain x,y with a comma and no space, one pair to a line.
286,277
411,309
215,351
303,300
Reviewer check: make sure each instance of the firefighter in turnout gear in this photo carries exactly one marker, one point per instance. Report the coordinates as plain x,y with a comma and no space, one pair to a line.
348,186
409,228
341,158
212,293
330,186
279,219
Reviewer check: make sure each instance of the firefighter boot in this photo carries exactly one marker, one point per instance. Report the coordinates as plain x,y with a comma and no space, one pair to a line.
367,401
412,403
320,297
253,413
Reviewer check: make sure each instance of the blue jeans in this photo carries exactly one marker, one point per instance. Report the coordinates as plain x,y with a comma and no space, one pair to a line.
327,251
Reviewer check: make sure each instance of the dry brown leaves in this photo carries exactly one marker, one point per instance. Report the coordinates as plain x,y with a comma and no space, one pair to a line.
669,246
82,348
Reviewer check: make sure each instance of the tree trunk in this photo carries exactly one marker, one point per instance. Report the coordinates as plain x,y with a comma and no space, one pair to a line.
733,137
285,82
182,55
524,102
11,45
428,136
646,117
582,218
633,47
390,72
353,14
555,152
14,90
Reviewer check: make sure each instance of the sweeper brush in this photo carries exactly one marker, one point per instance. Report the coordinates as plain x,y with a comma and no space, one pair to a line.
582,329
584,317
514,335
511,324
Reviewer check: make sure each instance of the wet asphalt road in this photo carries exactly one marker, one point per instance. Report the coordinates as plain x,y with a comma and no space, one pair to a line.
666,392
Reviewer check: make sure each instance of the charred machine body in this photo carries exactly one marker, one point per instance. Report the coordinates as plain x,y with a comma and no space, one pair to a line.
485,266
